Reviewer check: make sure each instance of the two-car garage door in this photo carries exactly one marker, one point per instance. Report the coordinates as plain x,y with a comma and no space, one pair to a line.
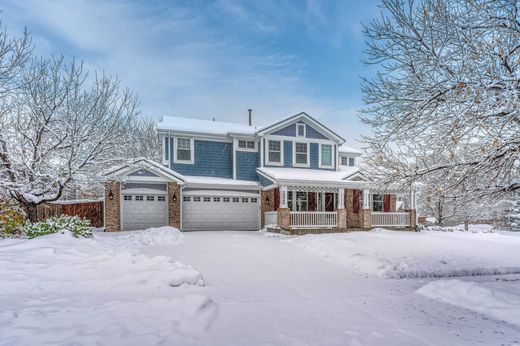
220,210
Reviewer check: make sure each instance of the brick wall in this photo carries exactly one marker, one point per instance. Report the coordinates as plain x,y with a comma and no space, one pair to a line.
284,218
174,205
341,215
112,206
393,203
264,206
353,219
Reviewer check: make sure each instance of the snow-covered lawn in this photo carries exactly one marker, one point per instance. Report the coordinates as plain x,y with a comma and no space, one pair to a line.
58,289
160,287
392,254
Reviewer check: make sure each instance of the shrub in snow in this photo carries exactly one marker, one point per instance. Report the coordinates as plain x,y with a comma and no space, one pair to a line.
164,236
79,227
11,220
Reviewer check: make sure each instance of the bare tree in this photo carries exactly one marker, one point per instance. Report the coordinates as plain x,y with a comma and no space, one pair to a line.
445,99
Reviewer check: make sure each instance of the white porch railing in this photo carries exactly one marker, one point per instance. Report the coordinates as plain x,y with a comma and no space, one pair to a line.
271,218
380,219
311,219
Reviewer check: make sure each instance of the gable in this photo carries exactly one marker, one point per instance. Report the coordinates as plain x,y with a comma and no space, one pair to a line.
290,131
143,173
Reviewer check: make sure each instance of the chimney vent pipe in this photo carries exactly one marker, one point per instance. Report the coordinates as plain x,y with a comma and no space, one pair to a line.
250,117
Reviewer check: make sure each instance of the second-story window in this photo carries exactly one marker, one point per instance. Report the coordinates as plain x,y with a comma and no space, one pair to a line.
184,150
301,154
275,152
300,130
348,161
246,144
326,155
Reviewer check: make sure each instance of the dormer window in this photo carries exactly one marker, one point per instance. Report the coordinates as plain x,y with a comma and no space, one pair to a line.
242,144
300,130
348,161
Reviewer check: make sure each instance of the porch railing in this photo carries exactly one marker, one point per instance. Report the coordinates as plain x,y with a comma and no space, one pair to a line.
380,219
311,219
271,218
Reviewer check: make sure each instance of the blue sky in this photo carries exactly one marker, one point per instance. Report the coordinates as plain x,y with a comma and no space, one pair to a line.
207,59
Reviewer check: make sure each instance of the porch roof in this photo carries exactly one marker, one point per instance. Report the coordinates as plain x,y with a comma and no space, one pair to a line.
304,176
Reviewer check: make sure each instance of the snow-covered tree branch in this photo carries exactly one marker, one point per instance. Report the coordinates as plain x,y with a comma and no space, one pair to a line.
445,102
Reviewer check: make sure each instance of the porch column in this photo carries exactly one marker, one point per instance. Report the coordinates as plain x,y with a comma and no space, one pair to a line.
341,198
284,214
365,217
341,213
412,210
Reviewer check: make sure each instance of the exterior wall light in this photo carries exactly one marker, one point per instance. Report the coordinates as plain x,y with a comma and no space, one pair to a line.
110,195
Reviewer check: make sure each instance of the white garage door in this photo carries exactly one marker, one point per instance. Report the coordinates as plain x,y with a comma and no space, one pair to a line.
142,211
220,210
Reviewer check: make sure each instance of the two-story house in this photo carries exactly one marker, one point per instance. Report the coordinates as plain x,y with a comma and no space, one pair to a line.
295,175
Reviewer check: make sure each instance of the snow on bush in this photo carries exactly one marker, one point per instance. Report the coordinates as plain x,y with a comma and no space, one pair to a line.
460,228
162,236
11,220
496,303
392,254
66,290
79,227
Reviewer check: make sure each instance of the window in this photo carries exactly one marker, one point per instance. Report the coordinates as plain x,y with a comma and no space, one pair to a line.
300,130
326,155
246,144
351,161
301,201
301,156
207,199
216,199
235,199
150,198
127,198
186,199
184,152
161,198
245,200
275,152
196,199
225,199
344,161
254,200
377,202
138,198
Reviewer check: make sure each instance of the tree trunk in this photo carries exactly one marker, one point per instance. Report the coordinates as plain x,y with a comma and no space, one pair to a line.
466,225
31,210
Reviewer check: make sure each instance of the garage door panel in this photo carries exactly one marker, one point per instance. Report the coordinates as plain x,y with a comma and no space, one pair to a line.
142,214
204,215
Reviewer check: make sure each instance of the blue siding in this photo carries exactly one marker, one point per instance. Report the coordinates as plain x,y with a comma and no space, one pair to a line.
247,162
312,133
264,181
212,159
315,155
287,153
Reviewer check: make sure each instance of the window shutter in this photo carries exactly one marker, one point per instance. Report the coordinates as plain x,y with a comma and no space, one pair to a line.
355,203
386,203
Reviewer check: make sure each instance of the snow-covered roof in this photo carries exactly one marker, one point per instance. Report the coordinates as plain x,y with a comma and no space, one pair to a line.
209,127
314,176
214,182
153,166
343,149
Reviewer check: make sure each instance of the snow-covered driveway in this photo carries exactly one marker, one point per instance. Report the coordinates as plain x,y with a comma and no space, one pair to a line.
271,292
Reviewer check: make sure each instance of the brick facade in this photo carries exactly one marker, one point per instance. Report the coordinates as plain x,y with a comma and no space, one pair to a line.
284,218
393,203
112,206
365,218
174,205
353,219
413,217
266,205
341,217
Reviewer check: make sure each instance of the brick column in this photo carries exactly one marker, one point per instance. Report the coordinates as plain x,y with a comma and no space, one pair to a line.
393,203
112,206
365,218
284,218
174,205
266,205
413,218
341,215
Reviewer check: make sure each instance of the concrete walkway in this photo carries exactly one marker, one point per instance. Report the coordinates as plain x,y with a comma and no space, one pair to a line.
270,292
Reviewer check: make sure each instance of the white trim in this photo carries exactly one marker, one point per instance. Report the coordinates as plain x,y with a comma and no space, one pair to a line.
320,165
197,135
308,164
304,130
262,152
154,167
234,163
165,140
192,150
299,139
281,153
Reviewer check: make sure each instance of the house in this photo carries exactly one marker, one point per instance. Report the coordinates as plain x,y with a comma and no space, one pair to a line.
295,175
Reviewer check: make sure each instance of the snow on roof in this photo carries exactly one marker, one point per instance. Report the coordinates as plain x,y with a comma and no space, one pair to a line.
307,175
204,126
349,150
192,180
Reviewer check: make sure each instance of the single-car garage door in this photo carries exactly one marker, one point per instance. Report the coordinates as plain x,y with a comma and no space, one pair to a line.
220,210
141,210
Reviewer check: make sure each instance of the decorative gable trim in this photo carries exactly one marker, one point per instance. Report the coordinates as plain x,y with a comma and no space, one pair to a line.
301,117
156,172
358,176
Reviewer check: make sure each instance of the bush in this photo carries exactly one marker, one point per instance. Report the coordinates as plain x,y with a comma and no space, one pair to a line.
11,220
79,227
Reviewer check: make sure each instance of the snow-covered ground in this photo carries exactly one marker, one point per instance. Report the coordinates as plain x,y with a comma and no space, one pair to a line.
246,288
391,254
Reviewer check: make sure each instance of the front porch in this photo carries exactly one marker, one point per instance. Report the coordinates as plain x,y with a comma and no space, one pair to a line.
320,209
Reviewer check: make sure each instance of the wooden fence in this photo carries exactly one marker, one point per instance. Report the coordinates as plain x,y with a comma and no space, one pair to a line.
91,210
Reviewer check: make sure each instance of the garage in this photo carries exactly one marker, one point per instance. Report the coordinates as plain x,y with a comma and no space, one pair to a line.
220,210
143,206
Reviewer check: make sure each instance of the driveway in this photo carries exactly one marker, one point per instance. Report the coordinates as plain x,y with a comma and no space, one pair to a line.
270,292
